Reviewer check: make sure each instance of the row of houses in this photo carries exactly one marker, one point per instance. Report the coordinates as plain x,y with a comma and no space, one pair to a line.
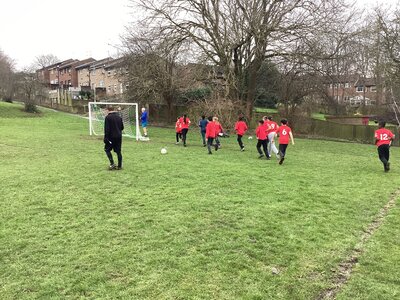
356,90
104,77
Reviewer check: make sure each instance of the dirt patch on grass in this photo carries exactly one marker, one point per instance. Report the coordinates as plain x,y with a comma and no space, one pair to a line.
343,272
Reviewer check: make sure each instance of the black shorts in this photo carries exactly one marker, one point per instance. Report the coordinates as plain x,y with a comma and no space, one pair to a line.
112,144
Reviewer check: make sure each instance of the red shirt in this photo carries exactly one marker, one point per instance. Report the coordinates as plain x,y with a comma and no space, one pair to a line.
383,136
241,127
273,126
283,132
178,127
211,130
218,128
261,132
183,124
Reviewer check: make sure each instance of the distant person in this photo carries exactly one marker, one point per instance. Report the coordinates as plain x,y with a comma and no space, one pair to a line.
185,123
240,128
219,131
178,130
143,120
211,134
272,128
383,140
261,134
113,127
284,132
202,125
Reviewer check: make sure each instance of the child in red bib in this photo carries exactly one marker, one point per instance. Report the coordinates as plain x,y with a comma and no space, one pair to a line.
383,140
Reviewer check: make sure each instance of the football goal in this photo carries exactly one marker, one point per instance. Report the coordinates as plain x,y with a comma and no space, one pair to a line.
129,113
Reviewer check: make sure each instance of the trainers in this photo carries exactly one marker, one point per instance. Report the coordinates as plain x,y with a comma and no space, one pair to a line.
177,143
118,168
388,166
216,147
261,156
242,149
112,167
281,161
268,157
209,152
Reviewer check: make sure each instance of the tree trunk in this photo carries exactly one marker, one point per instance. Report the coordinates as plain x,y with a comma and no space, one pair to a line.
251,88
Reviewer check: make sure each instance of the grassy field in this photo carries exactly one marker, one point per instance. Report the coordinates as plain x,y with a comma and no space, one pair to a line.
187,225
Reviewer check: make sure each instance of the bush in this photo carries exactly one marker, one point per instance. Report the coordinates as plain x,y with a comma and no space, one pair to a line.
30,107
226,110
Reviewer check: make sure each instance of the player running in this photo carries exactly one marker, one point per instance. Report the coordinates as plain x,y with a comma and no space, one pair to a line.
272,128
261,133
211,133
240,128
383,140
202,125
284,133
185,123
178,130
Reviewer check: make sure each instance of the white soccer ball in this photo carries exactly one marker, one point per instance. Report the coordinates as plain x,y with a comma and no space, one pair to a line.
163,151
250,137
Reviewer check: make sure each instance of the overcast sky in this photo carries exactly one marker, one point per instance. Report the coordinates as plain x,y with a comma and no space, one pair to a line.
69,29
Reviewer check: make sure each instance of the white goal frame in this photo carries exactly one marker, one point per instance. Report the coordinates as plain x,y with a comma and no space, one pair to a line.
137,133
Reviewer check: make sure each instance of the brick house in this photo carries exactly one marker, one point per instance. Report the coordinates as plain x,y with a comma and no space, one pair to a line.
355,90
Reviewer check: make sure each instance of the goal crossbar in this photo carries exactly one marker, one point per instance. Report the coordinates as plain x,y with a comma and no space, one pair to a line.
130,118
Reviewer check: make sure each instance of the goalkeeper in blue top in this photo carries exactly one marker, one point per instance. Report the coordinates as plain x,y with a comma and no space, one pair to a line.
143,120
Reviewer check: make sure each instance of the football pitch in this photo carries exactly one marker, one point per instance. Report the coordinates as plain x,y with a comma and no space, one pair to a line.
187,225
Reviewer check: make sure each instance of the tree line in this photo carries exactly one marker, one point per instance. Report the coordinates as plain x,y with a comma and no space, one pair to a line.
267,51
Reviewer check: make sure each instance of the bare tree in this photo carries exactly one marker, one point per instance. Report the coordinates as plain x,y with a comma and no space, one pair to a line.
28,88
239,34
6,77
45,60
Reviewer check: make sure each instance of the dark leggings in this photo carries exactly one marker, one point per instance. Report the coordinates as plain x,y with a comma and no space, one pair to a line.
282,149
383,151
184,133
178,136
264,144
110,158
203,136
209,143
239,139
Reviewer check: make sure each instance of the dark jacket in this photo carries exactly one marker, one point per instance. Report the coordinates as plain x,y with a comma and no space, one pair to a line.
113,126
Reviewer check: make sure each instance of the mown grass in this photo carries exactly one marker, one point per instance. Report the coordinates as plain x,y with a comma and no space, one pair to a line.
185,225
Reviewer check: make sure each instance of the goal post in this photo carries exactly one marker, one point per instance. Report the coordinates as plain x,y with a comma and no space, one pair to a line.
129,113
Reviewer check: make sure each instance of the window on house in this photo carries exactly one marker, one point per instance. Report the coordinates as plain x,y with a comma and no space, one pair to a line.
347,85
101,83
109,73
372,88
360,88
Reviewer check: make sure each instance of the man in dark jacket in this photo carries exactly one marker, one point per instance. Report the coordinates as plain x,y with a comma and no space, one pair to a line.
113,128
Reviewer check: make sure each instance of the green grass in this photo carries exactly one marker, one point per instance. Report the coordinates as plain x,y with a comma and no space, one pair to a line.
186,225
266,110
318,116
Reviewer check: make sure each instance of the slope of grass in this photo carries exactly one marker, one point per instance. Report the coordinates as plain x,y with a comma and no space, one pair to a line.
185,225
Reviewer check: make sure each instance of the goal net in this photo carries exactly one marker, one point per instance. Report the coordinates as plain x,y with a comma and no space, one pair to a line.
129,113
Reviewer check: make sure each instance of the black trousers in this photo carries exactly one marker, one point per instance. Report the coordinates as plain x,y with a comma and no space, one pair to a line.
178,136
203,136
282,149
239,139
113,144
184,133
210,144
383,152
264,144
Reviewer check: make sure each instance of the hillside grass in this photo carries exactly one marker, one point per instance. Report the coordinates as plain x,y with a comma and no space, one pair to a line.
186,225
